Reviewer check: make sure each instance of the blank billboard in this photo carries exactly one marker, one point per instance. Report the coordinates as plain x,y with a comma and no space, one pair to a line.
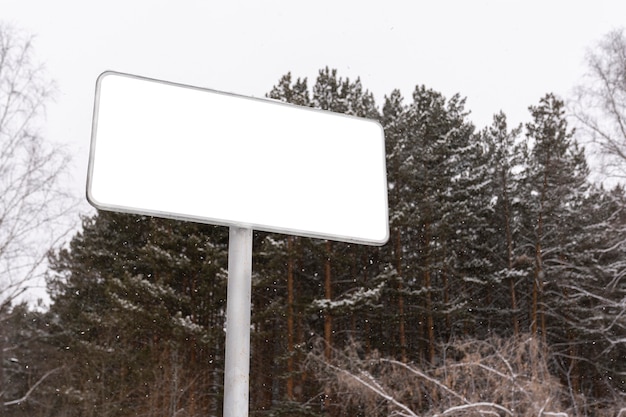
182,152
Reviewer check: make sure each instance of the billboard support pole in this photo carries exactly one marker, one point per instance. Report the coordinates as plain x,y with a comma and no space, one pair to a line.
238,300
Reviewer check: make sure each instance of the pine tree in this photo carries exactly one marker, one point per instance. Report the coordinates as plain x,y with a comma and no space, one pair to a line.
508,264
314,265
394,122
289,92
585,300
491,232
556,179
132,292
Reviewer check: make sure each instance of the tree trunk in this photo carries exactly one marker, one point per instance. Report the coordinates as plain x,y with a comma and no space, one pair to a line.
537,276
401,315
328,323
193,345
290,319
446,300
574,371
3,386
430,323
328,319
262,395
509,253
538,317
299,330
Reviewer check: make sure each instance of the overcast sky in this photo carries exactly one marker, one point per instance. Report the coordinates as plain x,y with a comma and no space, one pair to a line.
499,54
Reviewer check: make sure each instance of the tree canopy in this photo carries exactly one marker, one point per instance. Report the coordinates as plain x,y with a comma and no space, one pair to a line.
500,290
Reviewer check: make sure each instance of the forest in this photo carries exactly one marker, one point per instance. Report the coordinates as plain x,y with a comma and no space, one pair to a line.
501,290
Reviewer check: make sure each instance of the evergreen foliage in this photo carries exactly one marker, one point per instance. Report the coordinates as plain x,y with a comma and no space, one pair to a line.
497,239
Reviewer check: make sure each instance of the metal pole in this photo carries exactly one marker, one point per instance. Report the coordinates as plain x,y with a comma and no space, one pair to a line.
237,360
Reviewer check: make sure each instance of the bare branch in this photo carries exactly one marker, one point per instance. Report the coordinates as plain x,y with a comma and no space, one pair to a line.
372,385
31,389
600,103
426,377
34,207
477,405
488,377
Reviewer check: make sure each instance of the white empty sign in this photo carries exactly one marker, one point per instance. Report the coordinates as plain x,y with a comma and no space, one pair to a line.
182,152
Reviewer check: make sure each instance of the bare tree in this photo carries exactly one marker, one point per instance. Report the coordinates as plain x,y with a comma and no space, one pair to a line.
505,377
600,104
32,203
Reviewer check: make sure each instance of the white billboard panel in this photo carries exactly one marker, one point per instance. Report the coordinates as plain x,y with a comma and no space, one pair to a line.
182,152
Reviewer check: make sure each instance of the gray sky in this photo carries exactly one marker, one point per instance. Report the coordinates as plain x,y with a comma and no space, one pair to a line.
499,54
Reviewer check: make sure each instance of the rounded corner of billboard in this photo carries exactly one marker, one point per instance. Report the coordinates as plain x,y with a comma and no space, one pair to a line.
382,240
379,125
93,200
108,74
105,74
